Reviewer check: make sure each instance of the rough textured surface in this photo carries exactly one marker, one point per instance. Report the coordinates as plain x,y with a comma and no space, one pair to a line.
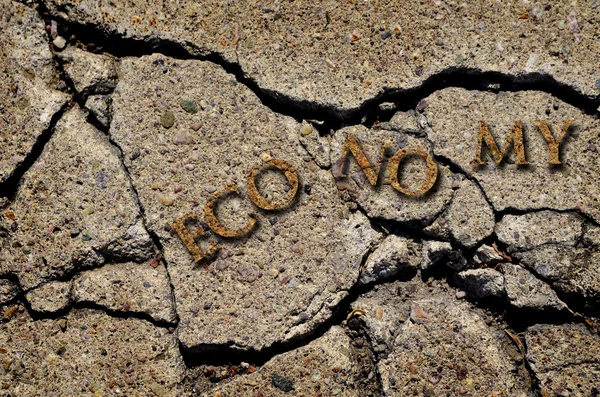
564,359
281,279
128,287
454,115
523,232
28,85
179,116
324,366
50,297
73,204
341,55
438,345
88,353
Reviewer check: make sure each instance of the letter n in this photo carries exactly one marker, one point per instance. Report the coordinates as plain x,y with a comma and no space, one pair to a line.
351,144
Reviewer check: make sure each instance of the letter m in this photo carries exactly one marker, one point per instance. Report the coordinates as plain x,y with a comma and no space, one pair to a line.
515,137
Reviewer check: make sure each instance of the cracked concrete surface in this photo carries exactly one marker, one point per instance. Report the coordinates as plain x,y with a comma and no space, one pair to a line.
121,118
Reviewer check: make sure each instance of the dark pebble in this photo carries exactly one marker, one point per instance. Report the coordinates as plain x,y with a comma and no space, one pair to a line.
597,84
103,352
207,305
282,383
189,105
136,153
14,226
386,35
307,188
421,105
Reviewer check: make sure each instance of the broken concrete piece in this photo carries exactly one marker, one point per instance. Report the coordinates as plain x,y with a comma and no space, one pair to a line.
434,252
525,291
90,73
482,283
524,232
438,344
287,274
29,98
50,297
326,365
128,287
468,220
394,255
72,205
337,58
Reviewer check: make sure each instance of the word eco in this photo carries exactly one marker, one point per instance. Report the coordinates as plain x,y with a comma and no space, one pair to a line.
372,172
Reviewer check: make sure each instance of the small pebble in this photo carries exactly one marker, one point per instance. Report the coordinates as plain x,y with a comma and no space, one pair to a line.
460,294
196,126
189,105
167,119
59,42
135,154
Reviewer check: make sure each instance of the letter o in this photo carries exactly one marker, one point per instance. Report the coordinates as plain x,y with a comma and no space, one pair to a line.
394,164
290,175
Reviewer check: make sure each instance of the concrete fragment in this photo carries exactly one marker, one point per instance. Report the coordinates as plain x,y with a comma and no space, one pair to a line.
523,232
50,297
573,272
438,345
434,252
325,364
90,73
564,359
394,255
525,291
28,85
487,255
482,283
301,259
88,352
73,203
128,287
468,220
321,54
